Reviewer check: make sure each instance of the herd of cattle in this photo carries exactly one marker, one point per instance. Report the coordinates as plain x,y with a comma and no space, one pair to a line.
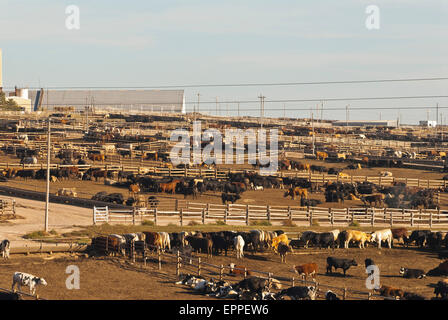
216,243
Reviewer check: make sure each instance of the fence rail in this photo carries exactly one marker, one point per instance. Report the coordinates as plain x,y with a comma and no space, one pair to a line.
244,214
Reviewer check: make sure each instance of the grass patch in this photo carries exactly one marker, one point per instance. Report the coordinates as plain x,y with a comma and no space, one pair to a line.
147,223
354,223
193,223
288,223
37,235
262,223
220,223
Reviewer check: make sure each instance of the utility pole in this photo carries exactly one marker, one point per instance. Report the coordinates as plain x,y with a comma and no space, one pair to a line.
47,201
261,97
216,106
312,128
346,119
238,109
322,111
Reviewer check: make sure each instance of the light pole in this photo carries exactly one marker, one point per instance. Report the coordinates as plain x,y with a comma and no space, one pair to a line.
47,200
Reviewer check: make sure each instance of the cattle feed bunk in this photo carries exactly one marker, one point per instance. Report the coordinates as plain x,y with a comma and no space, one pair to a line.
196,266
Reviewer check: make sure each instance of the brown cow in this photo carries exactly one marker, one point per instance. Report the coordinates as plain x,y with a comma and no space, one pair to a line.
400,234
153,240
321,155
293,192
307,269
283,249
169,187
97,157
387,291
134,189
233,269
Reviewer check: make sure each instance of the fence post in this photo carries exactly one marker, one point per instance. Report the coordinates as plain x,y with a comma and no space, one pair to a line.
330,212
181,217
221,272
159,254
155,216
226,212
344,294
269,280
373,216
203,216
94,215
247,214
310,212
178,264
268,212
107,214
176,205
245,273
391,216
412,218
289,213
293,282
207,210
430,219
199,266
353,214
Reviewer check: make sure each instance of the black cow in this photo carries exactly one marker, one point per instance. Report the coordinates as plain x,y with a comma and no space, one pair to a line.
253,284
219,244
324,240
9,296
412,296
339,263
307,237
229,197
298,293
434,240
412,273
419,237
201,244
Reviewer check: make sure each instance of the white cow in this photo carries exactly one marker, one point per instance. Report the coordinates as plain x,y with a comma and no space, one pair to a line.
67,192
25,279
382,235
166,243
5,245
238,242
386,174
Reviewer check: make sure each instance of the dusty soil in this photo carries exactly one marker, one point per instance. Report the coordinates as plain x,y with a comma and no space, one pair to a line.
117,279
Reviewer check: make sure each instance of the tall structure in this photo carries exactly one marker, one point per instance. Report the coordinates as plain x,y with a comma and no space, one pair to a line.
1,71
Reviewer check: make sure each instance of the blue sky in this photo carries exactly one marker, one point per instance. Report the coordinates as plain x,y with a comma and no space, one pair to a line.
153,43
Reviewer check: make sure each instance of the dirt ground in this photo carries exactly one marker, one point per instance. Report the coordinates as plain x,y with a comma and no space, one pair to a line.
116,279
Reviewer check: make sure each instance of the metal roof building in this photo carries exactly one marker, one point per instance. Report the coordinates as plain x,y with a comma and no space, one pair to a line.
111,100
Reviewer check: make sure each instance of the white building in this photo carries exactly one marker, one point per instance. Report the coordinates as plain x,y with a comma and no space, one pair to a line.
429,124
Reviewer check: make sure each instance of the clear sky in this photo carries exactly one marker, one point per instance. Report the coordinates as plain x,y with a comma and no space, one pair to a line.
154,43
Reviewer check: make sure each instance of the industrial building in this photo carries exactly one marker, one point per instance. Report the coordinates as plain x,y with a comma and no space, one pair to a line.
366,123
158,101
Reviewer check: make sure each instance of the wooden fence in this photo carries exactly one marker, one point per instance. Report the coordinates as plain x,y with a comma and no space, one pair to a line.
245,214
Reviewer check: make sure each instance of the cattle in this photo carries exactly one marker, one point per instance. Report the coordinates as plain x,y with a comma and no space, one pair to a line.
307,236
419,237
339,263
153,240
281,238
134,188
412,273
387,291
238,242
253,284
324,240
225,197
412,296
117,243
165,239
382,235
169,187
307,269
238,270
441,289
321,155
5,247
185,251
24,279
201,244
190,280
330,295
434,240
293,192
358,236
386,174
67,192
283,249
298,293
219,244
400,234
376,199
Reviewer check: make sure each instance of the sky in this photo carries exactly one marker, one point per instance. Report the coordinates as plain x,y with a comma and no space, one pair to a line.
172,43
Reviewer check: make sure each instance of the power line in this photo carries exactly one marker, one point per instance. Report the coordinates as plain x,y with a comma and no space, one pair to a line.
248,84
